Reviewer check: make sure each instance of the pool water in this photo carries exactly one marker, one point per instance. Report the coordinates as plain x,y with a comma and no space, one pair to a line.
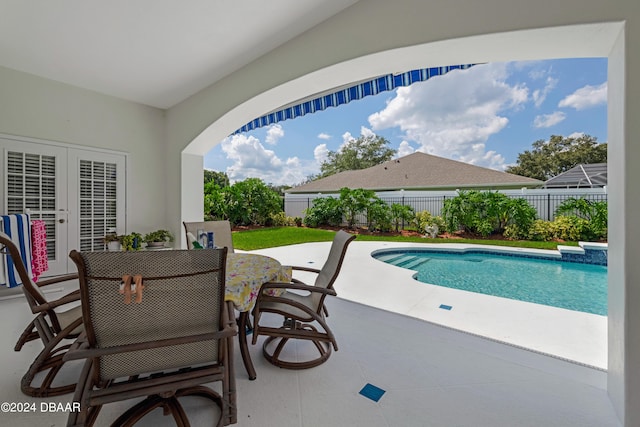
574,286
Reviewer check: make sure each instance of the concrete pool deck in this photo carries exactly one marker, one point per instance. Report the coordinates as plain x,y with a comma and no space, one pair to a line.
566,334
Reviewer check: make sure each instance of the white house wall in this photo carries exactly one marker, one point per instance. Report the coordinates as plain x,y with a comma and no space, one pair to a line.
38,108
378,36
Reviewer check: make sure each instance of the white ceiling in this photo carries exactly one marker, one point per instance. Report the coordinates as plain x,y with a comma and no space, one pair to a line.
155,52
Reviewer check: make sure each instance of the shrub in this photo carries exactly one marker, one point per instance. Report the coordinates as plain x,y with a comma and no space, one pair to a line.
595,213
541,230
280,219
520,213
486,212
214,202
513,232
571,228
378,215
400,214
355,202
246,202
424,219
325,211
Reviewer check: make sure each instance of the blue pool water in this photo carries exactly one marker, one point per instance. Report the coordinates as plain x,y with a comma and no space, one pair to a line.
574,286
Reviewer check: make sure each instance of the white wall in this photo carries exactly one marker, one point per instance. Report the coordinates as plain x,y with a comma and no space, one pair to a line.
378,36
39,108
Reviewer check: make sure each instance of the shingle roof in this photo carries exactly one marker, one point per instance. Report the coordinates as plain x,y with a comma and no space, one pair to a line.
418,171
580,176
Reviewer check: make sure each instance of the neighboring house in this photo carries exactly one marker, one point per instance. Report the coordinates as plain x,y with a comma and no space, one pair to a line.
593,175
418,171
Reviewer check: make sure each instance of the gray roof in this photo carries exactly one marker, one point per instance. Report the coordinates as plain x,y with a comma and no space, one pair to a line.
580,176
418,171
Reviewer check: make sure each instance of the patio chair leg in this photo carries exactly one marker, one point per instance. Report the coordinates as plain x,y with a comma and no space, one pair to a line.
244,347
324,347
29,334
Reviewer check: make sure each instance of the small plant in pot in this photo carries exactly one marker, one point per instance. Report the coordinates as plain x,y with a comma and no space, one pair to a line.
113,242
158,238
131,242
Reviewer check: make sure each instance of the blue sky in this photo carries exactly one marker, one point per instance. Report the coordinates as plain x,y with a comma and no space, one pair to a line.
484,115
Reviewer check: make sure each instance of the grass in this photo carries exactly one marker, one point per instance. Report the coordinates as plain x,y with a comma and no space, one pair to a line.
282,236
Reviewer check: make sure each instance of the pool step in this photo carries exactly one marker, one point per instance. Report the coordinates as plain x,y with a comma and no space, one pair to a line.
407,261
411,262
392,258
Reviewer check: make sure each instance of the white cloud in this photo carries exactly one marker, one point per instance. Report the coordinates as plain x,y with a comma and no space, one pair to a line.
405,149
324,136
320,153
366,132
586,97
346,137
274,133
252,160
576,135
454,115
539,95
548,120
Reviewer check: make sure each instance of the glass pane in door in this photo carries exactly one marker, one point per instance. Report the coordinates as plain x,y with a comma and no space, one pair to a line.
98,201
31,186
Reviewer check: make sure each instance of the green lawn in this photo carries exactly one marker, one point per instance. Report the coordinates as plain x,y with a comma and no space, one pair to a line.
282,236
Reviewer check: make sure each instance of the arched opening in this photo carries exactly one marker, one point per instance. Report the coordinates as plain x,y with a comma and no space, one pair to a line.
592,40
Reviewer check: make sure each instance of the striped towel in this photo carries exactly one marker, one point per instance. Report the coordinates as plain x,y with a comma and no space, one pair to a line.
18,228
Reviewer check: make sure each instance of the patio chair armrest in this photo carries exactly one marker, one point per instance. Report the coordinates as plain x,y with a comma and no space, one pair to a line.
79,344
57,279
298,286
309,269
228,316
70,297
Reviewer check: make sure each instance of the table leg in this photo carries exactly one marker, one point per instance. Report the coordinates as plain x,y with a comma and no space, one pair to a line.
244,348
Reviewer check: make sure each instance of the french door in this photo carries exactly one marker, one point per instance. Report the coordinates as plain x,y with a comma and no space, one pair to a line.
79,194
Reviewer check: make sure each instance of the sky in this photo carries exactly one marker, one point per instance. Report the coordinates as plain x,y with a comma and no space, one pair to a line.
485,115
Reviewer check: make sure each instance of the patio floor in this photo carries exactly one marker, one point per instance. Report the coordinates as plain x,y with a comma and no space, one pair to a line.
432,375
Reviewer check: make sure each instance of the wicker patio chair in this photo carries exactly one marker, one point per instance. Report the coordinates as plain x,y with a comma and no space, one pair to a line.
303,312
55,321
221,232
156,326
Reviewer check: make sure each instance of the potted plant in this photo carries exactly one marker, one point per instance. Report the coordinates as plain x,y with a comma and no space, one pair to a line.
113,242
158,238
131,242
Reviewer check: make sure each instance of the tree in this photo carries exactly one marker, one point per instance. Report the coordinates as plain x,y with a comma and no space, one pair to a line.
221,179
559,154
251,202
215,205
360,153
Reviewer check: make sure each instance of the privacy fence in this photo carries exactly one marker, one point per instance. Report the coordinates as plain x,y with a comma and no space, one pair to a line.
545,201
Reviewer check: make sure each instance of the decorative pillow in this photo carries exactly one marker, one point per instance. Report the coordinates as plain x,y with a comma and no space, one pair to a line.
193,241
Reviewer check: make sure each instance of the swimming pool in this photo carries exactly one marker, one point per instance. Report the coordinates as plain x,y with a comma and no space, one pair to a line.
547,281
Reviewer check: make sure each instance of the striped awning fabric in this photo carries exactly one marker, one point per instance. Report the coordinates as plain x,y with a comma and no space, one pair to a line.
348,94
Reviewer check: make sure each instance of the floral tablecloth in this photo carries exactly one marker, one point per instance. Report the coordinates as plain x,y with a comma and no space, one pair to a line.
246,273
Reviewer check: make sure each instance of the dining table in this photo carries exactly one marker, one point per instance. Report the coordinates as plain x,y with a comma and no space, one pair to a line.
245,274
